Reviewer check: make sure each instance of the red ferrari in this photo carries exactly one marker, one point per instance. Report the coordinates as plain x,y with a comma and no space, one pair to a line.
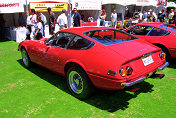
160,34
98,57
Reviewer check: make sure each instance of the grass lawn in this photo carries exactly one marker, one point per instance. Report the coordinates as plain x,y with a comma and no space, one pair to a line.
39,93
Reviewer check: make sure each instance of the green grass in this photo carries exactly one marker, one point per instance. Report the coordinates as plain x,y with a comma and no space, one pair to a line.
39,93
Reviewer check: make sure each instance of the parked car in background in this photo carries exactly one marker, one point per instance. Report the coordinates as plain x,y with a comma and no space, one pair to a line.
162,35
98,57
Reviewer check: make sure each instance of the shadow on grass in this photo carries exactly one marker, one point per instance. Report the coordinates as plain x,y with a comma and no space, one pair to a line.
110,101
4,40
173,64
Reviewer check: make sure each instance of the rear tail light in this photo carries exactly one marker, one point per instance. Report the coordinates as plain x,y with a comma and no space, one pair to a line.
162,55
123,72
126,71
129,70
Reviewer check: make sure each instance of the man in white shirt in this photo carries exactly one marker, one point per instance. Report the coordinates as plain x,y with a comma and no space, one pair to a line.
62,20
31,21
170,16
114,18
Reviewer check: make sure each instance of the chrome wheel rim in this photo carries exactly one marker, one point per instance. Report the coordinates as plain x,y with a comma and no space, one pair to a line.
24,57
75,82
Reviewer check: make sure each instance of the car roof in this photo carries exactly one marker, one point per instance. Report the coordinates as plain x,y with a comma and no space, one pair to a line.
153,24
81,30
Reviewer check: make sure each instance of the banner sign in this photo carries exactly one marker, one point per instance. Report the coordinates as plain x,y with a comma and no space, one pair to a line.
42,6
11,6
87,5
162,2
146,2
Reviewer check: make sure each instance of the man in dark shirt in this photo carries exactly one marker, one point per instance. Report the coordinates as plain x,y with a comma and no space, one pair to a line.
76,18
52,21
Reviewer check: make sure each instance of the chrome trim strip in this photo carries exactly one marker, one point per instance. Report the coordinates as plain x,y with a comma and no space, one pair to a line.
132,83
163,66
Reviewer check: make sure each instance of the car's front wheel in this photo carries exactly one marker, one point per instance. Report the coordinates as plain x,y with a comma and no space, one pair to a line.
79,83
25,58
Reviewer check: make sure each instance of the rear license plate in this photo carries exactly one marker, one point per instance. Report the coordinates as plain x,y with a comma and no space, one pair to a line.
147,60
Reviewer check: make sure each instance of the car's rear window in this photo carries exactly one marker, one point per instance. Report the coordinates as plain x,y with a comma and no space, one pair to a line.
169,27
109,36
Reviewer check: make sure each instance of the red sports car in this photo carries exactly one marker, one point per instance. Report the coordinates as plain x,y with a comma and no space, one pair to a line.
91,57
160,34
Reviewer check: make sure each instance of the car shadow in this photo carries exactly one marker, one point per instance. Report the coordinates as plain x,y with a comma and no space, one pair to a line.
172,64
110,101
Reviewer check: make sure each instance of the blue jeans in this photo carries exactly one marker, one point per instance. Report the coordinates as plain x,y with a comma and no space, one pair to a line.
102,23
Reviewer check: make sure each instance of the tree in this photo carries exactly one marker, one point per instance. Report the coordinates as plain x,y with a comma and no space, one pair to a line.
171,0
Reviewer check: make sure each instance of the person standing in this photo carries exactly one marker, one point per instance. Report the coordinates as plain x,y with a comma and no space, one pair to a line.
140,14
170,16
76,18
52,21
114,18
144,16
31,21
38,32
174,17
159,16
62,20
102,17
44,21
152,16
163,15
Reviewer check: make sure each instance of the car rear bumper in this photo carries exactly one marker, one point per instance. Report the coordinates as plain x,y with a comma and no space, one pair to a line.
127,84
134,82
163,66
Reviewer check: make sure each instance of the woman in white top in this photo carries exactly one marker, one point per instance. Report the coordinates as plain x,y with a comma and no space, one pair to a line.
38,32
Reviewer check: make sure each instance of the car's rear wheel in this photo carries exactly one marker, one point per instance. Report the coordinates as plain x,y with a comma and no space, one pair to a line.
79,83
25,58
168,56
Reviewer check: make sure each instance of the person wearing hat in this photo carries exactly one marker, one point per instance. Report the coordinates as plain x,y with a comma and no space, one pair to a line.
52,21
62,20
76,18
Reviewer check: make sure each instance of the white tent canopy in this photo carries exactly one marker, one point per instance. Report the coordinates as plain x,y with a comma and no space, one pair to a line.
11,6
120,2
131,2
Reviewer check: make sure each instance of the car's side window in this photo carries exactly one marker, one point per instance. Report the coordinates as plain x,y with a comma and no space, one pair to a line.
79,43
61,39
141,30
158,32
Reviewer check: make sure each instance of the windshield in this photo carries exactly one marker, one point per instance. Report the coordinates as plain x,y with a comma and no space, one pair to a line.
169,27
109,36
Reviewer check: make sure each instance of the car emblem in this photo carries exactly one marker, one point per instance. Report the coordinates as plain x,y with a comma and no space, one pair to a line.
142,50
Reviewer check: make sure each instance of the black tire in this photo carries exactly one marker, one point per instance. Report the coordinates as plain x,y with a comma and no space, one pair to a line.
26,60
168,56
79,83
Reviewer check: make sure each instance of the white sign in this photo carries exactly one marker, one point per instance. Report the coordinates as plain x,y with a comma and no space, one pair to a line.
87,5
146,2
11,6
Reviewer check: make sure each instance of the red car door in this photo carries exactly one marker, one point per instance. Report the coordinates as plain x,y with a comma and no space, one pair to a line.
54,59
36,51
